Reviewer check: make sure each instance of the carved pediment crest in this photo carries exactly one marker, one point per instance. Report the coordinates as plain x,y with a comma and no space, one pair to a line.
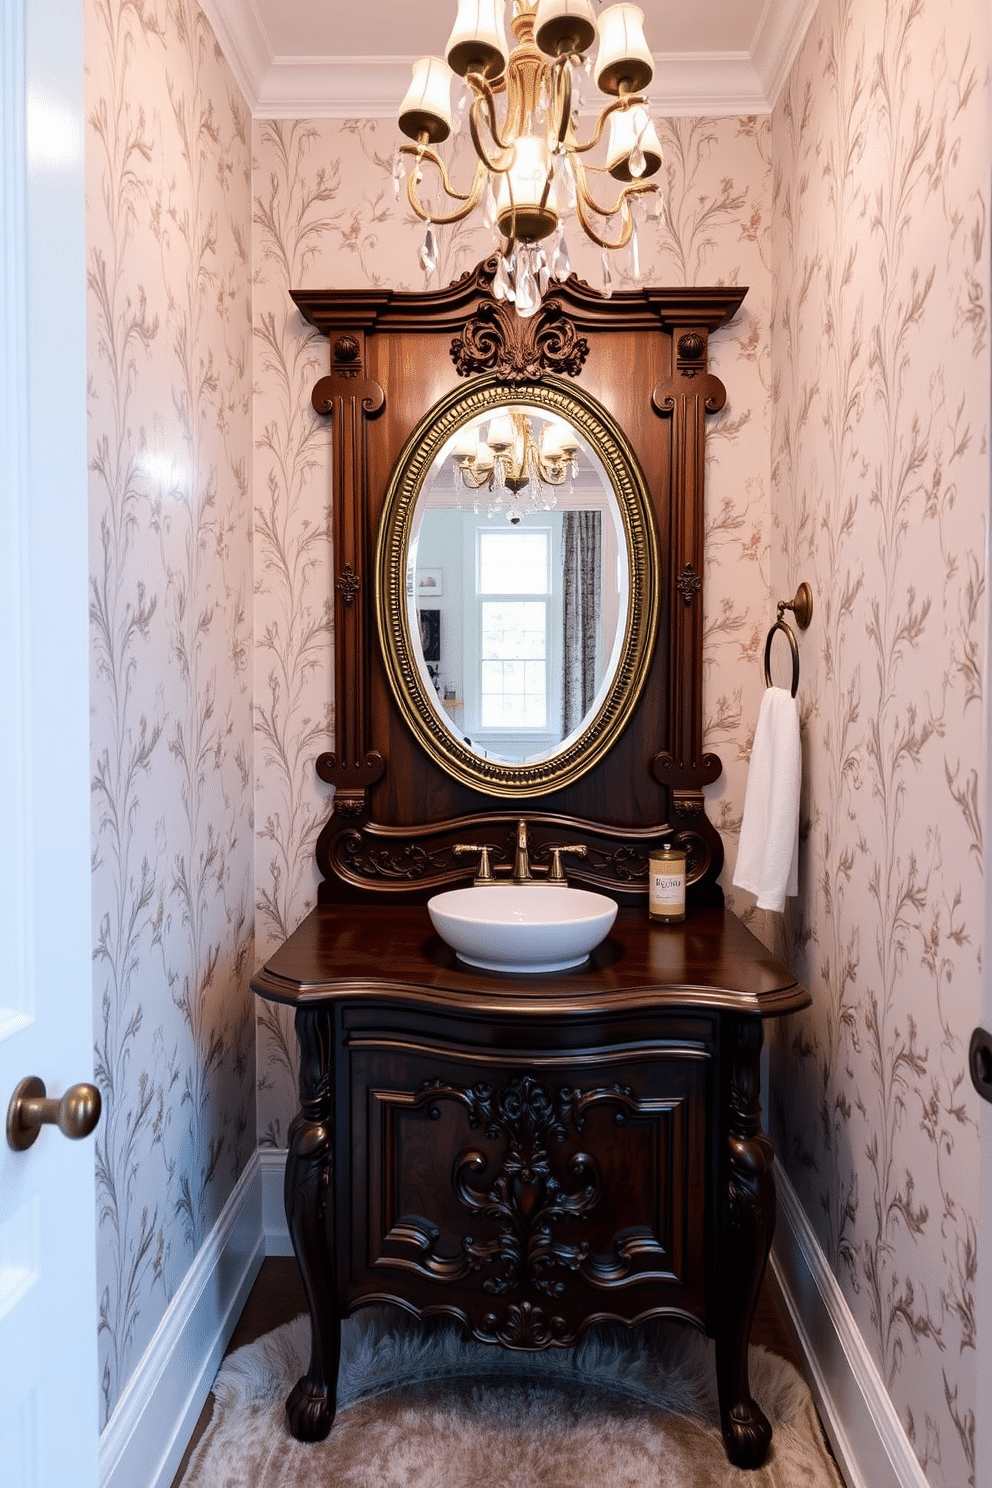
497,340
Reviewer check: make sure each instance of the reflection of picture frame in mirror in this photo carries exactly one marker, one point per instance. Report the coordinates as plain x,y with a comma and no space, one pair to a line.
430,583
430,634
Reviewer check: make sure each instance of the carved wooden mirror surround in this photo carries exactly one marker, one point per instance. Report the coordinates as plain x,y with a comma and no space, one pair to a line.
641,357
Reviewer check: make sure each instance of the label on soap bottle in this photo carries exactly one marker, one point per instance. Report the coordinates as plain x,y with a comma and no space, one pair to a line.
666,885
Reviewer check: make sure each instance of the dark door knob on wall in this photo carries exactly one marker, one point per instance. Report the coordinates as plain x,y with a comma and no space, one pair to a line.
75,1115
980,1062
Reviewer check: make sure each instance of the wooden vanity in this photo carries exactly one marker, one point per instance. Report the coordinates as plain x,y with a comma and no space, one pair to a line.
531,1154
528,1154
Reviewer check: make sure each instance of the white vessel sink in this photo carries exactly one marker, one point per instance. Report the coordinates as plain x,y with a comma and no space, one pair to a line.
522,927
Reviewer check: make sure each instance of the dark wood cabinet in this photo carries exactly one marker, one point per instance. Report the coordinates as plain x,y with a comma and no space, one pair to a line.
531,1155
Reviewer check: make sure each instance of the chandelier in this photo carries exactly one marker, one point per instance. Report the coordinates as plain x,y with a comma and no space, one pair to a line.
519,473
532,169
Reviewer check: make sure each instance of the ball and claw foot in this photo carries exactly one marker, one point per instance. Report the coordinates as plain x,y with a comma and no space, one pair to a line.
309,1412
746,1434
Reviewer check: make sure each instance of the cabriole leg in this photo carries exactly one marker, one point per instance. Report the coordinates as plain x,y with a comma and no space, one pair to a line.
749,1223
309,1191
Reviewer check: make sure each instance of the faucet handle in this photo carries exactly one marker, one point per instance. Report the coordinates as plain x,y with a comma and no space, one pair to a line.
556,873
485,873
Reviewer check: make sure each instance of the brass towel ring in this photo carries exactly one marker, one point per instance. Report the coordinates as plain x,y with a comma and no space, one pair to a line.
801,606
787,632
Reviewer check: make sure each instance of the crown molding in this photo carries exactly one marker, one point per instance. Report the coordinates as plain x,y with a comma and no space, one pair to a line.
241,38
710,84
777,42
370,87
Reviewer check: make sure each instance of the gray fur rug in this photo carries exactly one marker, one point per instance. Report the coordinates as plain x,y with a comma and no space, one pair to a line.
422,1408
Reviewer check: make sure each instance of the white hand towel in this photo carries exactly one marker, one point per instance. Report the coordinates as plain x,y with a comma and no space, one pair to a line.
768,855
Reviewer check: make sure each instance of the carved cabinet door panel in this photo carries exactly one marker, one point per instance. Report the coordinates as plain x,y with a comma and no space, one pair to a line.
529,1194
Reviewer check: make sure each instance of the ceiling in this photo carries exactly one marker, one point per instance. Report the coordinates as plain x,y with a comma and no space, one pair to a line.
332,59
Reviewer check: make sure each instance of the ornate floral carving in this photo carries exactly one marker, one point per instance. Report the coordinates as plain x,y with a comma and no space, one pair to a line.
348,584
497,340
407,861
524,1327
688,583
525,1197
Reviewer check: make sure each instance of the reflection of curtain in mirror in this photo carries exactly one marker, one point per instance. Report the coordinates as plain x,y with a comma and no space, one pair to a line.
582,561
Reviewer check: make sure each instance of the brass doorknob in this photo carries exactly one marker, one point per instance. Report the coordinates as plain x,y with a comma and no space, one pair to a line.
75,1115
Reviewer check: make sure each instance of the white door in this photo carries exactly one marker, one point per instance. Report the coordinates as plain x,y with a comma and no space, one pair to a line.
48,1307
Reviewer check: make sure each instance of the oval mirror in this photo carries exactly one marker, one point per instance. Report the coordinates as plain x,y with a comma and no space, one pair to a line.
517,585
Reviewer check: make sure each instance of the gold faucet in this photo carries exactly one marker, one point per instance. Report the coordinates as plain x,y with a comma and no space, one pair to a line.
521,862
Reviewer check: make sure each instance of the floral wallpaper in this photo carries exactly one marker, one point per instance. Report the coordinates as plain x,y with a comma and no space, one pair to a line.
880,404
852,452
168,172
326,215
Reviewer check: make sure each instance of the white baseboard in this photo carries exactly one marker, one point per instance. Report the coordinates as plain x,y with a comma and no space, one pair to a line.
143,1442
866,1434
272,1161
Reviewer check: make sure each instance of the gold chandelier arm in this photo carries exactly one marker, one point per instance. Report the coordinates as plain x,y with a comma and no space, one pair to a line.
421,153
584,204
484,100
475,480
561,103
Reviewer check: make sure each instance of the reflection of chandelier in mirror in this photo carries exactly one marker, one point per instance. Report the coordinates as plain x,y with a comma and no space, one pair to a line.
521,474
531,167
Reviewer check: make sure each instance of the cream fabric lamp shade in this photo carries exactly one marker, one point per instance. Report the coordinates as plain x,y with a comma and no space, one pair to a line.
501,433
564,23
558,441
523,188
623,55
478,39
426,109
630,128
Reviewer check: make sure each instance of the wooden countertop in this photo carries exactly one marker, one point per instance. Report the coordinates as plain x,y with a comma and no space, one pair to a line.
392,952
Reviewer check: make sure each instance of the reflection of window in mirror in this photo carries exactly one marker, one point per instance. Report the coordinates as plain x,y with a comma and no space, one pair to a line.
513,596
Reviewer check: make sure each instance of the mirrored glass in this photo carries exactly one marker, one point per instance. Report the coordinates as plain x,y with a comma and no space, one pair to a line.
517,583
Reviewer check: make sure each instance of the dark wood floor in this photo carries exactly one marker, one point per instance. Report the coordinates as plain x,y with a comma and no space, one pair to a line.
277,1297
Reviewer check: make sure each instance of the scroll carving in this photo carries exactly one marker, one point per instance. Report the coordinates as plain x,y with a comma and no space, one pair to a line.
529,1201
420,860
497,340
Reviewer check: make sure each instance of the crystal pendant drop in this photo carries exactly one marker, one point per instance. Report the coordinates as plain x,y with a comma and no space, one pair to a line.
635,257
607,277
543,272
489,205
566,177
560,265
502,280
428,252
527,296
399,173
